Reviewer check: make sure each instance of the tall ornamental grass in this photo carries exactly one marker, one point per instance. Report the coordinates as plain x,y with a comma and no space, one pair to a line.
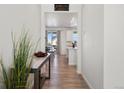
22,58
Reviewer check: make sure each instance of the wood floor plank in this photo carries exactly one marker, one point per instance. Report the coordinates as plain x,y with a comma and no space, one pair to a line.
64,76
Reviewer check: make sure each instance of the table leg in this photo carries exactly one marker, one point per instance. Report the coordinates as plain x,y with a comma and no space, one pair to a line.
49,67
37,79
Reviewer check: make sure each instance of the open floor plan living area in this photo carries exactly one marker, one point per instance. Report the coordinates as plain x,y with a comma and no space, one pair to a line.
61,46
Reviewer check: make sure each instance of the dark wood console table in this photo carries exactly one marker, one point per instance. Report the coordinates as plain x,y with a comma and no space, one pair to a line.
37,64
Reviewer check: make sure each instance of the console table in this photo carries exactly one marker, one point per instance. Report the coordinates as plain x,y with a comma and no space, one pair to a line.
36,66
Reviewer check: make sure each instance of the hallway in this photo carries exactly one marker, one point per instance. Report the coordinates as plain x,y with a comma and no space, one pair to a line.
64,76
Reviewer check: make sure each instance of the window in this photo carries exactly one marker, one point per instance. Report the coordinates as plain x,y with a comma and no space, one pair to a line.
75,36
52,38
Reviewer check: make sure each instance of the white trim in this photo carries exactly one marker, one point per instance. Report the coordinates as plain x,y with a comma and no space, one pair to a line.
61,28
89,84
79,72
60,12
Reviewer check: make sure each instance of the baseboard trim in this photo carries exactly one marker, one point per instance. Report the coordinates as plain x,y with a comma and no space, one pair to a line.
79,72
88,83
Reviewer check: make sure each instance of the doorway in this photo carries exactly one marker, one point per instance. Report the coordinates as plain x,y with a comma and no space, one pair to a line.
52,41
55,24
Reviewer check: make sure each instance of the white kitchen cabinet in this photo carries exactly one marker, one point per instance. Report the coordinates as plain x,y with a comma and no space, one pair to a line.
72,55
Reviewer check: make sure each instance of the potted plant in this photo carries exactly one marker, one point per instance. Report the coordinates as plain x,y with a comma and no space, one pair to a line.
22,58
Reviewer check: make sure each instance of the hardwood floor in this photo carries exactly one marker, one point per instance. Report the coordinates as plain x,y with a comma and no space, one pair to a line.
64,76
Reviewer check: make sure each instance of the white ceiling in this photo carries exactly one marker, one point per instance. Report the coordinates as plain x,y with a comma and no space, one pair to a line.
61,20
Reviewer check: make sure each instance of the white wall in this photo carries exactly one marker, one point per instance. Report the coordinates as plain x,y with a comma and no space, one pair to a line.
69,35
63,42
114,46
12,18
92,44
